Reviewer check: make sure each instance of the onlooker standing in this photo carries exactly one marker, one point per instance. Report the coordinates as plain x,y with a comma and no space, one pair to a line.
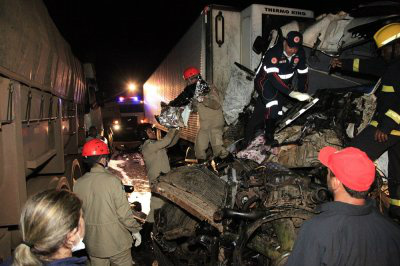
108,215
350,230
52,226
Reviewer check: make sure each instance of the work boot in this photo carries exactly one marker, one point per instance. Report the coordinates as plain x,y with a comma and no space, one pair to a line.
269,132
242,145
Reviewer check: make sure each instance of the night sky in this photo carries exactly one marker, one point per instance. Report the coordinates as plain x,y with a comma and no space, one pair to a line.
127,40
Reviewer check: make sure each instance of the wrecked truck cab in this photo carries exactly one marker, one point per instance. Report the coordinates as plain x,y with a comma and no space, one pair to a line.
239,215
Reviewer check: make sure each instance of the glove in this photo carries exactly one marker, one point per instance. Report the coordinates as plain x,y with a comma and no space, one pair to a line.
138,239
300,96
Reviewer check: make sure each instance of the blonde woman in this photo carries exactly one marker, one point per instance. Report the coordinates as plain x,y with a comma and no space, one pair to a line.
52,226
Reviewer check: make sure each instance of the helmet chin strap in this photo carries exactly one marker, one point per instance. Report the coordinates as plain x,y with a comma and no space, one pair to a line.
103,165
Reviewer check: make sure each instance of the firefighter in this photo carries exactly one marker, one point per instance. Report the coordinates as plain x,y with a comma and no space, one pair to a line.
110,225
156,159
383,133
273,83
210,115
350,230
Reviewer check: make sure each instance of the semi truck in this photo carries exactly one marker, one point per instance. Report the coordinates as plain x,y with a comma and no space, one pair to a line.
45,99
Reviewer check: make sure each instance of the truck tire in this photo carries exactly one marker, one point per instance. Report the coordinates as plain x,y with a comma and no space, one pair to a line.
73,172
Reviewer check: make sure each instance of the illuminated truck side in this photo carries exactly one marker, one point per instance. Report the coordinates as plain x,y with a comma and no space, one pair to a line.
43,93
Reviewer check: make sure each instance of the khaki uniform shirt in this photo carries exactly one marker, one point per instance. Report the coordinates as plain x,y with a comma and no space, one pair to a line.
210,110
108,216
155,154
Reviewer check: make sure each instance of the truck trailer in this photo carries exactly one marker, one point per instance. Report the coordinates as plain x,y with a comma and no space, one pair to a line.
45,99
224,43
219,37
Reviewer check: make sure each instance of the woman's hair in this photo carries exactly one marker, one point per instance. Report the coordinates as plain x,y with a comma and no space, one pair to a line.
45,221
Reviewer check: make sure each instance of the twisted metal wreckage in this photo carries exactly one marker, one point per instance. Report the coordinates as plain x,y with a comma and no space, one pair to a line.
248,212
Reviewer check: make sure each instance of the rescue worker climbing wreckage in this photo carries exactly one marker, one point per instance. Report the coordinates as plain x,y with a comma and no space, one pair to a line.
110,225
205,99
273,83
383,133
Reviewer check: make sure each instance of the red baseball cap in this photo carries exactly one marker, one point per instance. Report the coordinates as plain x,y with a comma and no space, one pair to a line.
351,166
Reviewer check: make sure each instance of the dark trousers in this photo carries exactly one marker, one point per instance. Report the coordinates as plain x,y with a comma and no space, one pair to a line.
256,120
365,141
263,116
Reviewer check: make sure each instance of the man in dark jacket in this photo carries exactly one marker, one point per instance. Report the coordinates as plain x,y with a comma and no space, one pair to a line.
350,230
383,134
273,83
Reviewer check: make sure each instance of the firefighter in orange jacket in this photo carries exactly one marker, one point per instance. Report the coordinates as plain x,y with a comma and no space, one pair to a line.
383,134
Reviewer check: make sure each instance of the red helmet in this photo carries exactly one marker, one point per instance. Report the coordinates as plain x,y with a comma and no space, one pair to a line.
95,147
190,72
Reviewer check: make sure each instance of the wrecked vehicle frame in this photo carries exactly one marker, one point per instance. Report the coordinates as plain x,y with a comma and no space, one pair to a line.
245,213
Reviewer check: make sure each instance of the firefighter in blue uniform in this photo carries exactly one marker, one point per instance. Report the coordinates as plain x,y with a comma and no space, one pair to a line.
383,134
273,83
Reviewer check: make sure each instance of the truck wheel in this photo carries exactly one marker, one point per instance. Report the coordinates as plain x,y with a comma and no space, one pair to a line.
42,183
73,172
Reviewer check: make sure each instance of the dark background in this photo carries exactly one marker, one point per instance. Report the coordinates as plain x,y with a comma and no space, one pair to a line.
127,40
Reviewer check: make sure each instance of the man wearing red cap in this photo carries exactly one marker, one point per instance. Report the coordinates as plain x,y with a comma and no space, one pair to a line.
349,230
